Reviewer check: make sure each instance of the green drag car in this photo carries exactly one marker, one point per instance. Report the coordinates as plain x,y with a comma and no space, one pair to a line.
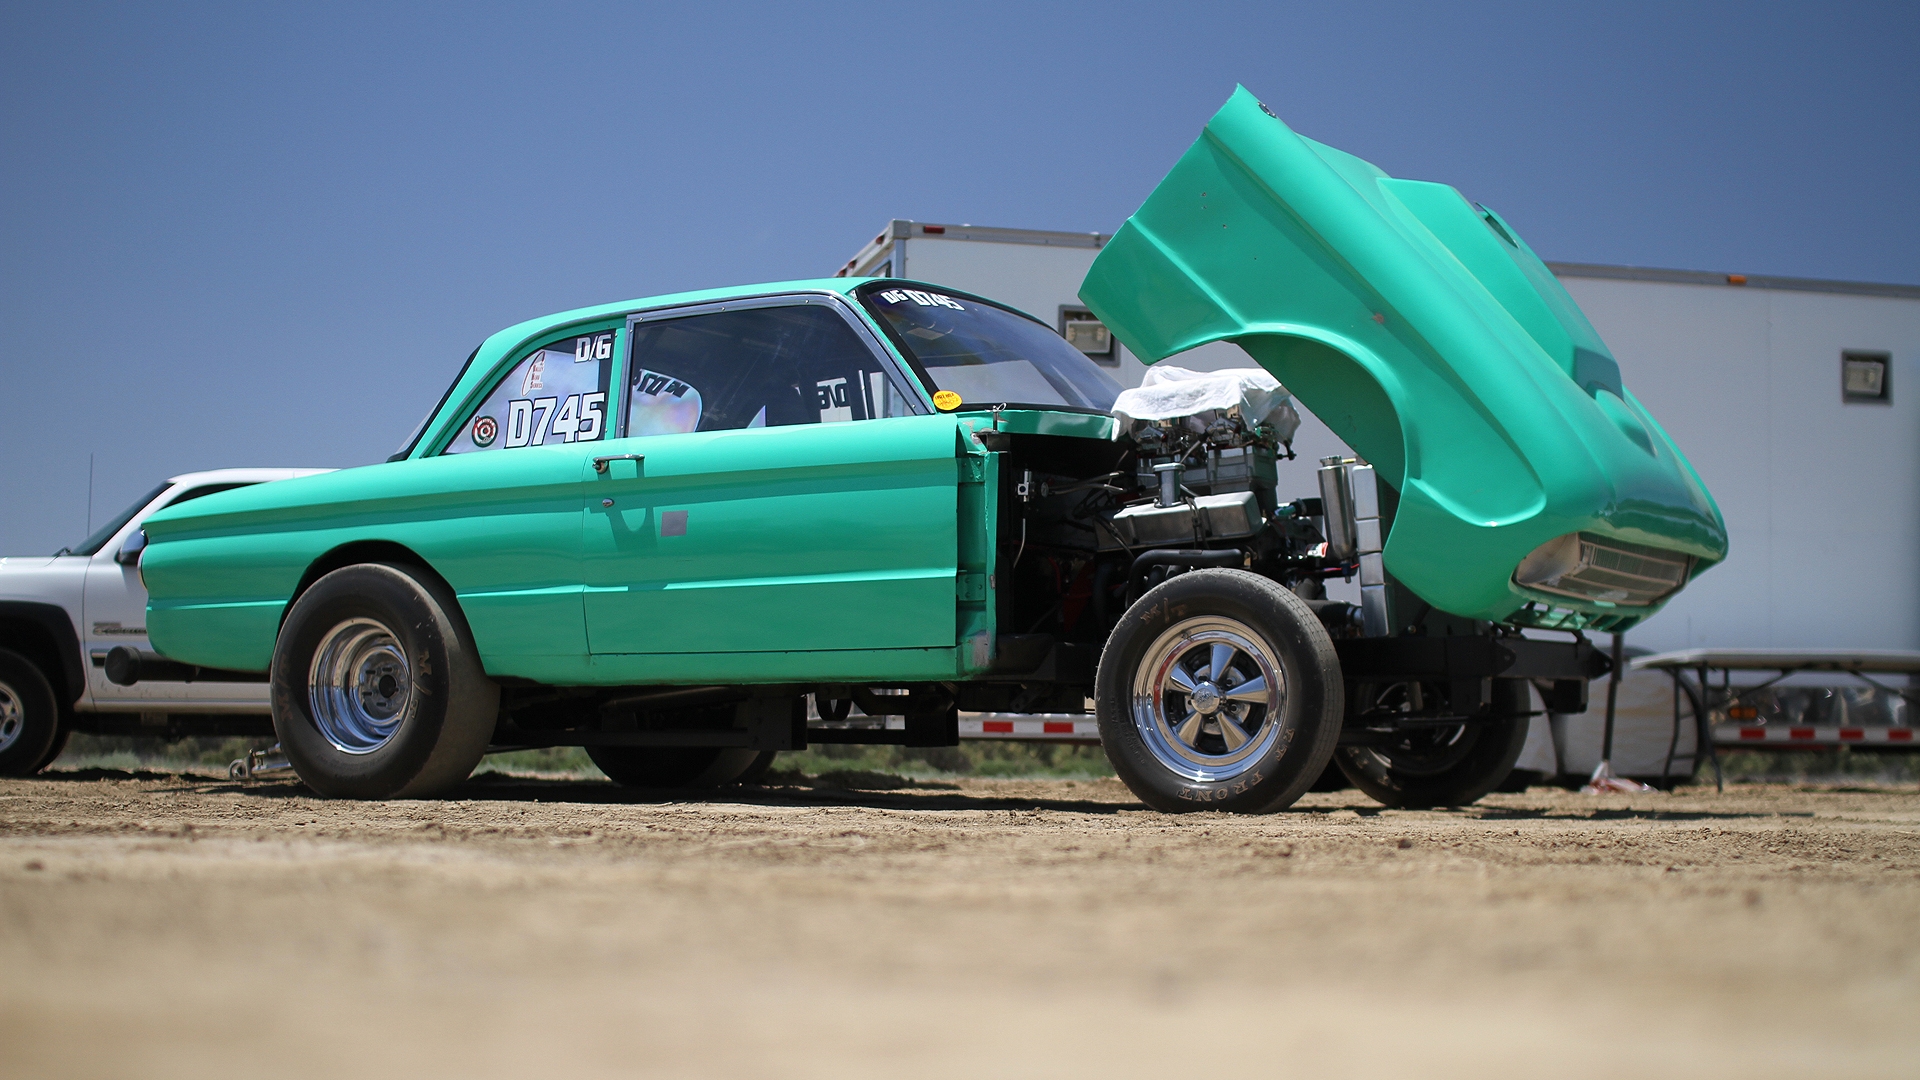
691,531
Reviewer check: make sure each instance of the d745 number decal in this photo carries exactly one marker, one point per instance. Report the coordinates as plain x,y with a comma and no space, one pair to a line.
576,418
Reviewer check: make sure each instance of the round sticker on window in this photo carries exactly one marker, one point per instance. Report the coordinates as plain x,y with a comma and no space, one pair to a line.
485,429
946,401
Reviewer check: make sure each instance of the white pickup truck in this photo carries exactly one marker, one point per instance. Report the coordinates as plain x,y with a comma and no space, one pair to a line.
61,614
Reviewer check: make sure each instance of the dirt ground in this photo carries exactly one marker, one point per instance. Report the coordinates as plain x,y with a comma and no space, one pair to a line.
175,926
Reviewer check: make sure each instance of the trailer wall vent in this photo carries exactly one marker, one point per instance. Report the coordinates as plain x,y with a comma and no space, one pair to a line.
1863,378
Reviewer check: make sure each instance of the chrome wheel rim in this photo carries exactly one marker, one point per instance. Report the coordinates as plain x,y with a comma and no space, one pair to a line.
1209,698
13,717
359,686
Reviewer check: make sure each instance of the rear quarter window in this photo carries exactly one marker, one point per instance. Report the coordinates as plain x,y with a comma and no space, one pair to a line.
555,394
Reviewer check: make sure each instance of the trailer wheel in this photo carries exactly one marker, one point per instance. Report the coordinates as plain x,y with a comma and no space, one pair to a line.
29,716
1219,690
679,766
1442,765
378,692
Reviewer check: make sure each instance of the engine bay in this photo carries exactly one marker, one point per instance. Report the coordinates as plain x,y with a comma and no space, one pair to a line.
1086,528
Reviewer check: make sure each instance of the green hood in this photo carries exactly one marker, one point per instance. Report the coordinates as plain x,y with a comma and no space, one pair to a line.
1426,334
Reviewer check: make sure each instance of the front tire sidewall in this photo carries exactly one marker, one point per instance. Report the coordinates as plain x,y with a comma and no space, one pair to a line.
1310,717
448,720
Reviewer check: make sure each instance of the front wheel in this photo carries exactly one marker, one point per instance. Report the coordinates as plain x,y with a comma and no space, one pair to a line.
1437,764
1219,690
378,692
29,717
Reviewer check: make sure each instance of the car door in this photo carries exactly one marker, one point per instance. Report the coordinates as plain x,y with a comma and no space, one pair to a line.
780,489
114,612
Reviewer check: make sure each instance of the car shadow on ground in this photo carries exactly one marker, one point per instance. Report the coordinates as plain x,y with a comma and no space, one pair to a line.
897,794
1622,813
875,792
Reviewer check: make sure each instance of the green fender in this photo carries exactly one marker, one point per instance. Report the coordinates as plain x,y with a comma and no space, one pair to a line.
1427,335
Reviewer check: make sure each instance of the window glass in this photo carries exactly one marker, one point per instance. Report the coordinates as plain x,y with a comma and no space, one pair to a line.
105,532
988,354
757,367
556,394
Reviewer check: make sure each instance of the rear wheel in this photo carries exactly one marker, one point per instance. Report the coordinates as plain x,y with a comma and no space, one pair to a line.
29,716
1440,764
378,692
1331,779
1219,690
678,766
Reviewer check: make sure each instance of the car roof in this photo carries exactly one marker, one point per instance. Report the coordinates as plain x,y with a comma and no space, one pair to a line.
502,343
515,335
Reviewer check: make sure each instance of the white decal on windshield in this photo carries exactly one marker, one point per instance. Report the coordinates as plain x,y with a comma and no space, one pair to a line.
924,299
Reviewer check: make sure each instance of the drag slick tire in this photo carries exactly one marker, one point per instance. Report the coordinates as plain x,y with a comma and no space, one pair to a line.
1443,765
679,766
29,717
378,691
1219,690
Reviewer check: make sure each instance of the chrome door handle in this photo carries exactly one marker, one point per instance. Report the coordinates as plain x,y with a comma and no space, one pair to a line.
600,463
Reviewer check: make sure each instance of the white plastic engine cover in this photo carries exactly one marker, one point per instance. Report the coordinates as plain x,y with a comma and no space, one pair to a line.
1171,393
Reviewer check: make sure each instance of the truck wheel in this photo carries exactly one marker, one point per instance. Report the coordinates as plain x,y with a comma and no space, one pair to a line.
54,751
1440,766
676,766
1219,690
29,716
378,692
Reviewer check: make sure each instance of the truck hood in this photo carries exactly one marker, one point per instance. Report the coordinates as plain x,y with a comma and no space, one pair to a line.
1428,336
15,564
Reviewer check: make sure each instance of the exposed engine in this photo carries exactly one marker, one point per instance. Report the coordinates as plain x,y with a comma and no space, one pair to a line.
1206,448
1188,482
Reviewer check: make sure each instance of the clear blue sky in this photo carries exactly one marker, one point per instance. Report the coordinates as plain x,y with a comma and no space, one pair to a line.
267,234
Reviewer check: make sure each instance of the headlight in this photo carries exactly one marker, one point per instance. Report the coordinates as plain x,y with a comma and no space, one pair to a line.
1596,568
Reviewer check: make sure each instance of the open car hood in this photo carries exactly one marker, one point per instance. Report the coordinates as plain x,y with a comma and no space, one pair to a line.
1426,334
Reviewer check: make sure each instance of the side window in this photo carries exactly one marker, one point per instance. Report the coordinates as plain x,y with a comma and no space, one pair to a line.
555,394
757,367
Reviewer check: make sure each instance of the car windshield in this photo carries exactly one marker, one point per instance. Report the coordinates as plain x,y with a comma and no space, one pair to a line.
987,354
105,532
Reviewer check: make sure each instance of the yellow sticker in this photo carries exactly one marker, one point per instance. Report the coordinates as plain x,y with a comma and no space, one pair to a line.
946,401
